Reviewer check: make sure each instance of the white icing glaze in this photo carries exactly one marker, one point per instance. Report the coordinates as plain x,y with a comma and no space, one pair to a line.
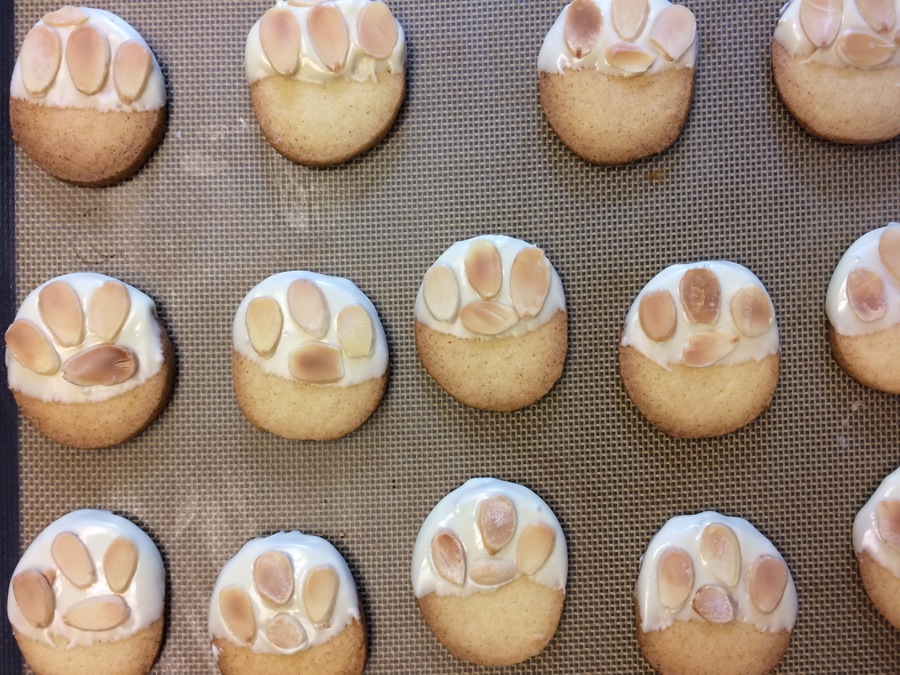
339,293
97,530
458,512
306,553
454,257
866,537
684,532
359,67
555,56
732,278
862,254
140,334
63,93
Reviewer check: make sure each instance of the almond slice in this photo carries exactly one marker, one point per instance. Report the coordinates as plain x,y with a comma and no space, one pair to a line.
887,522
657,315
279,34
529,282
714,604
534,548
237,613
673,31
440,290
881,15
675,577
376,30
488,318
34,597
889,250
97,613
273,575
865,291
821,20
355,331
630,58
120,563
103,364
700,295
865,51
285,632
31,347
73,559
306,3
706,348
87,55
752,311
492,571
449,557
629,17
316,362
720,551
65,16
496,522
131,70
308,307
766,581
329,36
264,323
484,270
108,309
50,575
320,593
582,27
39,59
60,310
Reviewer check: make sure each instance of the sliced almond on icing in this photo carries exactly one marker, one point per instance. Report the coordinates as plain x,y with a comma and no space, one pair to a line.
264,323
863,50
881,15
720,551
355,331
285,632
97,613
60,309
120,563
496,522
329,36
73,559
34,597
821,20
752,311
629,17
673,31
31,347
488,318
320,593
279,34
39,59
492,571
714,604
766,581
887,522
87,55
131,70
316,362
308,307
65,16
103,364
376,30
440,290
700,295
49,574
273,575
866,293
535,546
629,57
582,27
449,557
889,250
108,309
709,347
484,270
237,613
658,315
529,282
674,577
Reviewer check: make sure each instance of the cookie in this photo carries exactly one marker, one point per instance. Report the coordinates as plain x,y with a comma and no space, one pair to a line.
88,597
836,65
326,79
616,77
489,572
699,353
713,596
863,309
88,362
491,324
87,99
287,604
310,359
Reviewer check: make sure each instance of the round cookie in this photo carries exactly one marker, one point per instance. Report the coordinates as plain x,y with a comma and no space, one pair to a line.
88,597
713,596
836,65
326,80
287,604
490,323
87,360
310,358
491,549
699,354
616,77
863,309
87,97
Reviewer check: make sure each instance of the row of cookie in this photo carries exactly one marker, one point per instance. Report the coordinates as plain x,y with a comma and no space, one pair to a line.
327,79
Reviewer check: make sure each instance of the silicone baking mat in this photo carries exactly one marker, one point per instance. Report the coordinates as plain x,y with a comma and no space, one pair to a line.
215,210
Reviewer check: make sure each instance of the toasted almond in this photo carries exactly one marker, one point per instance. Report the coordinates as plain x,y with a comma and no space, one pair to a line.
582,27
87,55
120,563
821,20
449,557
700,295
766,581
484,270
131,70
496,522
49,574
887,522
881,15
529,282
355,331
60,310
440,290
316,362
657,315
273,575
492,571
279,34
673,31
308,307
31,347
714,604
488,318
376,30
264,323
320,593
236,610
866,293
863,50
65,16
535,546
329,36
285,632
752,311
709,347
674,577
39,59
34,597
889,250
97,613
102,364
73,559
108,309
720,551
629,17
629,57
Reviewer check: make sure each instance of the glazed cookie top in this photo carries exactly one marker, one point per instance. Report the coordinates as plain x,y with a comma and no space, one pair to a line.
79,57
702,314
876,529
314,41
83,337
864,293
710,567
484,534
489,286
841,33
311,328
282,594
620,37
91,576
